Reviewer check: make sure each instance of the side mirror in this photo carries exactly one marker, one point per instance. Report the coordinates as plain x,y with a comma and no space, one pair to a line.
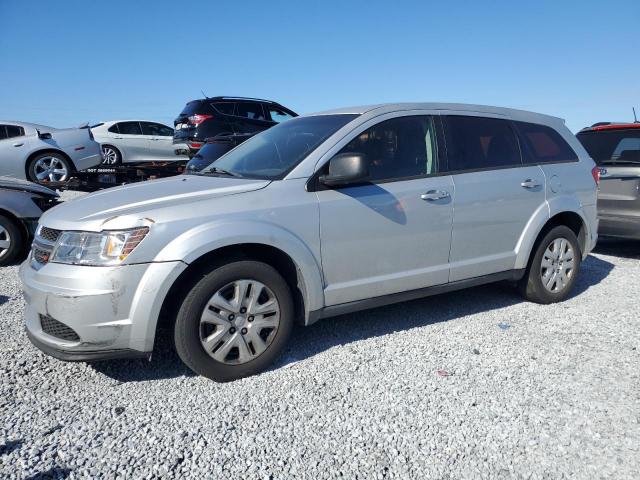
346,168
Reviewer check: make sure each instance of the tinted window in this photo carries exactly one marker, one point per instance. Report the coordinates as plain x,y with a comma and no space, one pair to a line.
113,128
250,110
618,146
10,131
273,153
398,148
279,115
195,107
156,129
541,144
129,128
226,108
479,142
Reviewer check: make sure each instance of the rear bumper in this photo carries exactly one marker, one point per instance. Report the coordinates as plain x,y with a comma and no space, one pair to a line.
87,162
616,226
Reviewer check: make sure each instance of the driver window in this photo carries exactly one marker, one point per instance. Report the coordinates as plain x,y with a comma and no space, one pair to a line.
399,148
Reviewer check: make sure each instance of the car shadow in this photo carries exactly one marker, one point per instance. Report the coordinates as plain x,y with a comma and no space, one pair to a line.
619,248
4,299
325,334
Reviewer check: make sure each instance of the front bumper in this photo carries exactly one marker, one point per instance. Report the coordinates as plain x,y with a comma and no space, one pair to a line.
113,310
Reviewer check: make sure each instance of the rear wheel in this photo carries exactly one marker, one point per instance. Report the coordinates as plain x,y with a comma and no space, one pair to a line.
235,321
11,239
553,267
111,155
50,167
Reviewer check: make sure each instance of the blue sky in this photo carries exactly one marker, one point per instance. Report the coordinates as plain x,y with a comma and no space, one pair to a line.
64,63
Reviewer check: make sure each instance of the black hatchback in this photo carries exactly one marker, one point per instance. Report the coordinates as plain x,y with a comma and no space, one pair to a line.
215,116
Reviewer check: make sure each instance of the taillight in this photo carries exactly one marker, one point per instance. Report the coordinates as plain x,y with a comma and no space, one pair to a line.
595,171
195,145
198,119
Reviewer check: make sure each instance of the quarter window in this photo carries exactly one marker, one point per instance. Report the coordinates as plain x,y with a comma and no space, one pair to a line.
225,108
113,128
402,147
542,144
129,128
251,110
480,143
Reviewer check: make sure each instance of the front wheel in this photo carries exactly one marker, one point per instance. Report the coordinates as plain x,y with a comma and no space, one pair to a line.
235,321
553,268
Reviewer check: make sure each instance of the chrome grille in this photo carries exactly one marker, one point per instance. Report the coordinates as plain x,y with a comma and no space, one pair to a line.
49,234
57,329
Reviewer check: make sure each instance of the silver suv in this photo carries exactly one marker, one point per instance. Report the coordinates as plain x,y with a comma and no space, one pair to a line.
321,215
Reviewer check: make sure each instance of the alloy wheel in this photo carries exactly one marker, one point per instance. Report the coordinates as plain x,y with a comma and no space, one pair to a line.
5,241
109,155
557,265
51,168
239,322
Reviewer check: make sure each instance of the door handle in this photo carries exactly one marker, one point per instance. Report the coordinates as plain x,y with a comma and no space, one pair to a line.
528,183
433,195
18,144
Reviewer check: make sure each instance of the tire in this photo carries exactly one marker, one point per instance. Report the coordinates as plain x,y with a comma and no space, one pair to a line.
556,247
11,241
243,344
114,155
50,167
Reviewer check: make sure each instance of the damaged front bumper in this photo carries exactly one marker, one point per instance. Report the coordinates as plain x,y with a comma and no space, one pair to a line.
86,313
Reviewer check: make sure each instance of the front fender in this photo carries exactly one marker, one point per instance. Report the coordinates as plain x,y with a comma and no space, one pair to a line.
208,237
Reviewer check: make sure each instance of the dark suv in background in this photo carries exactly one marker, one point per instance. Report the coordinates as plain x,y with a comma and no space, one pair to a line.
216,116
616,149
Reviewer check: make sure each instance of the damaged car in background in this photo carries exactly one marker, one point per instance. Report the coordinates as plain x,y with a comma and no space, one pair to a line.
21,204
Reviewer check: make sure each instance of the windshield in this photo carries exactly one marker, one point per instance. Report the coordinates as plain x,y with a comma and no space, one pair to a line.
275,152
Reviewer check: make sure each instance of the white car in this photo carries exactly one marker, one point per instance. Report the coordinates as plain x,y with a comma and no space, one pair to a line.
45,154
132,141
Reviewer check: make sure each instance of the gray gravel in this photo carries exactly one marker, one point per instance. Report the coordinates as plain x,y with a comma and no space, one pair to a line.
473,384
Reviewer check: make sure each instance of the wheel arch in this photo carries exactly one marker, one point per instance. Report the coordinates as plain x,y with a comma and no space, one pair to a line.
538,227
40,151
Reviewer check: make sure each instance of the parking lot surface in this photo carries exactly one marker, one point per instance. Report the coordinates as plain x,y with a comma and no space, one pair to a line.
472,384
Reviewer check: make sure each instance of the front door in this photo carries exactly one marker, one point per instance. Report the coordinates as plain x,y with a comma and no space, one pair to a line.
391,234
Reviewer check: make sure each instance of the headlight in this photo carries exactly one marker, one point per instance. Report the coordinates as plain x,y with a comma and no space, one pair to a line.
102,249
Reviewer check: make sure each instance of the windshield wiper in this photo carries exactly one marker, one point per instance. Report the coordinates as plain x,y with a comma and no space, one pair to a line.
614,162
221,171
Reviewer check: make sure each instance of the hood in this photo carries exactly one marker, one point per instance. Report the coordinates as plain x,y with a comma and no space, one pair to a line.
8,183
128,206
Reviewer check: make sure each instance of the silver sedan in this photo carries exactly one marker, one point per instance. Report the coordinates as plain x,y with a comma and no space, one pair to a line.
40,153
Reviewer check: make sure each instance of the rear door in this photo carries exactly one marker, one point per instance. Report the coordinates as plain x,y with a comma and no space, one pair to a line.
617,152
496,194
13,150
135,145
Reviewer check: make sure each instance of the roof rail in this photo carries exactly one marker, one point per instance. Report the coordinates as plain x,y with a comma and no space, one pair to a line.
245,98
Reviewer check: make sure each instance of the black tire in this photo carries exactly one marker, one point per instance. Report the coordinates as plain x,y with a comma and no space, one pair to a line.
12,232
188,328
59,157
531,285
116,152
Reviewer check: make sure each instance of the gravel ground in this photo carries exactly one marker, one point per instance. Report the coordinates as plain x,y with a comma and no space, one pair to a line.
473,384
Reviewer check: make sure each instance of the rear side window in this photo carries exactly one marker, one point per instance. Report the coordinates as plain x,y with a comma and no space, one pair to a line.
399,148
480,143
542,144
156,129
613,146
129,128
113,128
226,108
250,110
10,131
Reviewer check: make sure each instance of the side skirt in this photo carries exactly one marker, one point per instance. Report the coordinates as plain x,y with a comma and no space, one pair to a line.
358,305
